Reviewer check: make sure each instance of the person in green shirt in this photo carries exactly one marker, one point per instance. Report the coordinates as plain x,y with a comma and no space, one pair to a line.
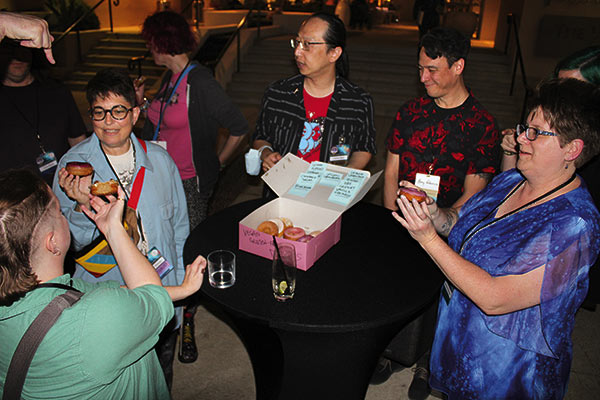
102,346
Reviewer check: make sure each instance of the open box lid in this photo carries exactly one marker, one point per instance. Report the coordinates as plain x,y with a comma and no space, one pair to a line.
283,176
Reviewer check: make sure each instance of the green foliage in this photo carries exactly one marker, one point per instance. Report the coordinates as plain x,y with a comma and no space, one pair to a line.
66,12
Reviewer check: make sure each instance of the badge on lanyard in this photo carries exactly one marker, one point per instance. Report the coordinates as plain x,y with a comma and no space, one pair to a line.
160,264
46,162
339,153
428,183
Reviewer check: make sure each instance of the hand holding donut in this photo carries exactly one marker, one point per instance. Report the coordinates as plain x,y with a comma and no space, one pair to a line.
402,191
77,188
105,215
416,219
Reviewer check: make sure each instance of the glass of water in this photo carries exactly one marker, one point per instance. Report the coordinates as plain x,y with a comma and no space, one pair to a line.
284,272
221,269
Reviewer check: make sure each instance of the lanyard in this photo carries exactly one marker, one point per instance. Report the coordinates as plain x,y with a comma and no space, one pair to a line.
136,188
472,231
168,97
439,115
35,125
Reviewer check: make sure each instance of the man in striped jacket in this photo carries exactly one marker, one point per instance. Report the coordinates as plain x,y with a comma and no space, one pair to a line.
317,115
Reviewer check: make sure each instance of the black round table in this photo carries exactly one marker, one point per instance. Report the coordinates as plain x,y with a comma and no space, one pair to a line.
325,342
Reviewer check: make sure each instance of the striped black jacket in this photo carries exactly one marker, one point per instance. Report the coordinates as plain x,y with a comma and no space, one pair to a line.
282,116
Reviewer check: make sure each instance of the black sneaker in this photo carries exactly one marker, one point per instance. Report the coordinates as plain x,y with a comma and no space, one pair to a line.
419,388
384,369
188,353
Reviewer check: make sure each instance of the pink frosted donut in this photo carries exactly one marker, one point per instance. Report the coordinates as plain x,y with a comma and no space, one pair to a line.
413,193
306,238
293,233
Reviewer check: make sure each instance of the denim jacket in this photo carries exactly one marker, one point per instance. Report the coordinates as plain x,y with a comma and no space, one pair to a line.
162,205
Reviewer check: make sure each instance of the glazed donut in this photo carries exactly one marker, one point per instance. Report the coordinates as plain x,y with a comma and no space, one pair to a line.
268,227
412,193
79,168
280,225
105,188
293,233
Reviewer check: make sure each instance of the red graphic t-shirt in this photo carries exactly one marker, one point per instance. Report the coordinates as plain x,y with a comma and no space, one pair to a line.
316,111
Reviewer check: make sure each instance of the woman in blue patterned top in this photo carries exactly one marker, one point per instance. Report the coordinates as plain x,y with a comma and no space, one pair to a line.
517,258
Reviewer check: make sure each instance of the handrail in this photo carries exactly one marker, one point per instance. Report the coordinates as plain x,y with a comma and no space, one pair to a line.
197,11
237,34
81,18
518,61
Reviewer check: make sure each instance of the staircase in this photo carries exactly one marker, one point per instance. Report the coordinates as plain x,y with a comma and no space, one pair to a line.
115,50
385,69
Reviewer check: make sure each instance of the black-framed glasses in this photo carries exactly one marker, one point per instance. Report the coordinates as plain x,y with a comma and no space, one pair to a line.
532,133
303,44
117,112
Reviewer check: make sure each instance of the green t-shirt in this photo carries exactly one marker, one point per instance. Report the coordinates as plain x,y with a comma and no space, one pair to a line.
100,348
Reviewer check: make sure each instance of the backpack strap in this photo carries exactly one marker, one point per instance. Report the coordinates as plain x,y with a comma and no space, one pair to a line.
21,359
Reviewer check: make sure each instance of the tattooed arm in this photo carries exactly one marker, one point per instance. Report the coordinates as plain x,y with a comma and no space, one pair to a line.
444,219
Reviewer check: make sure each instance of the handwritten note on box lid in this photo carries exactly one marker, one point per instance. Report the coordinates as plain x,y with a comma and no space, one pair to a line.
283,176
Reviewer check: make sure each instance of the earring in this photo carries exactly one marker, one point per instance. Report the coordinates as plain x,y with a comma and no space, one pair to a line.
567,166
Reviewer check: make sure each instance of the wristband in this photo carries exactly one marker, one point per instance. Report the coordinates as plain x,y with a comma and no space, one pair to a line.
260,150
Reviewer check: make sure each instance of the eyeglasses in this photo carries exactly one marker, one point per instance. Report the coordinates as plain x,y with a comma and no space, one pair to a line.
304,45
532,133
118,112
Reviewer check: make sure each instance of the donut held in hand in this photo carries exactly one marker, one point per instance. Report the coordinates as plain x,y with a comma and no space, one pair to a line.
105,188
79,168
412,193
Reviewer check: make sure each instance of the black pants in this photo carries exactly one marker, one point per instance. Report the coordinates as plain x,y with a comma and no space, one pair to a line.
415,339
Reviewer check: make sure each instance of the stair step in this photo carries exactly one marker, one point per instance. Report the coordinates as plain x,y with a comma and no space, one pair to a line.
151,69
121,59
126,50
134,41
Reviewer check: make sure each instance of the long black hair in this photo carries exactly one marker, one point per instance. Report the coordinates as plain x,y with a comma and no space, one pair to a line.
335,37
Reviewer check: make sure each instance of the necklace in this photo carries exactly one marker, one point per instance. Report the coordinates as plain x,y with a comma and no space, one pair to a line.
473,231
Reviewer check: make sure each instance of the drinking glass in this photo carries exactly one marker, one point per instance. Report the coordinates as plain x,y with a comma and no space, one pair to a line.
221,269
284,272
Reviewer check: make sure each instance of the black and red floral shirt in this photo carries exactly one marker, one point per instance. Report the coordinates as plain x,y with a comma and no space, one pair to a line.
453,142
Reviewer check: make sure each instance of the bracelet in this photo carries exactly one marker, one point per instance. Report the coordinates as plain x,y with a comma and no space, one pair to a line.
260,150
509,153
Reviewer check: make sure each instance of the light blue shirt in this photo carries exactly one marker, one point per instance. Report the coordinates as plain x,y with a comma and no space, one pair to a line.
162,206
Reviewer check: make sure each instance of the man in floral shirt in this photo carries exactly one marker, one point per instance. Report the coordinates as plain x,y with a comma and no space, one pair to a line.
448,145
445,142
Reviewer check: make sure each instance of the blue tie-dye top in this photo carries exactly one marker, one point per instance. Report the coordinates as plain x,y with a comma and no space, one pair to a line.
525,354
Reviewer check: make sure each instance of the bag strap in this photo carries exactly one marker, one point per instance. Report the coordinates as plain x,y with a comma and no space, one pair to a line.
21,359
136,189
